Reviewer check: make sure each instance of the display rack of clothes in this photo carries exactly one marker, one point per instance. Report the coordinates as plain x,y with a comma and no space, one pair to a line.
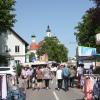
3,87
16,94
92,87
96,89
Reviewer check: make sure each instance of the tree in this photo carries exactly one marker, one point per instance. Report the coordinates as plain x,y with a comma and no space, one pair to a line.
89,27
31,57
97,2
7,18
18,69
55,50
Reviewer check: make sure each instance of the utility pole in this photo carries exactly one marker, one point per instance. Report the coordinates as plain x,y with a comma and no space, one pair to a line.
76,53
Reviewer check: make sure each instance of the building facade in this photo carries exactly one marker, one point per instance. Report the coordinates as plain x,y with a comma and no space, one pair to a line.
14,46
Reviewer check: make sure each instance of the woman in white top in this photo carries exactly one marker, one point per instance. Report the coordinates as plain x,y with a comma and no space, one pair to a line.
80,70
59,77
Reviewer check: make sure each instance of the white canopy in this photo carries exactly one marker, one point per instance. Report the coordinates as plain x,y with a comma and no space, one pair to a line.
34,63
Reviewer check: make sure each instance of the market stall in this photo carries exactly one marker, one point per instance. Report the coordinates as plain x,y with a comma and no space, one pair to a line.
86,56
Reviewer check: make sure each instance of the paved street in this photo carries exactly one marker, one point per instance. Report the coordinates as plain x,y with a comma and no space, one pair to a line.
52,94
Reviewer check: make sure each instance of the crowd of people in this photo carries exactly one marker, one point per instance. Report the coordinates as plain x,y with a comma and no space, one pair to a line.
42,77
37,77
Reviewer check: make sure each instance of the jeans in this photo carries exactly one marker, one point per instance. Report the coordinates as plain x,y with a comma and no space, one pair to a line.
71,81
47,82
66,79
59,83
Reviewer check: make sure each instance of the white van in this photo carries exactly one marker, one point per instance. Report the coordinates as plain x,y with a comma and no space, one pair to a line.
7,70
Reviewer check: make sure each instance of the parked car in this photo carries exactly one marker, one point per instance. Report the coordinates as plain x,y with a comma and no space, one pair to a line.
7,70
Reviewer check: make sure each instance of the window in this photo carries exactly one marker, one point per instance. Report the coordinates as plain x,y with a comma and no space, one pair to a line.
16,48
17,61
6,48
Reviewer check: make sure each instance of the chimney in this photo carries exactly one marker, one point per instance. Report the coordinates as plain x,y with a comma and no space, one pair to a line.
33,38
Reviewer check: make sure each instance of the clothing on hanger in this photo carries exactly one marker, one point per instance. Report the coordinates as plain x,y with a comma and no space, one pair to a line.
0,87
88,88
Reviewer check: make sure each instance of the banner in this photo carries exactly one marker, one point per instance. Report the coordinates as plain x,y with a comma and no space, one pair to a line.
86,51
33,59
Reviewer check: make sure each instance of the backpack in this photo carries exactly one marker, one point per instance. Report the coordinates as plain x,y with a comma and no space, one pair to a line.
66,72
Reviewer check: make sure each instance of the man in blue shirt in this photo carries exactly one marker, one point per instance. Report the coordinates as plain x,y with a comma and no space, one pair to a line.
66,74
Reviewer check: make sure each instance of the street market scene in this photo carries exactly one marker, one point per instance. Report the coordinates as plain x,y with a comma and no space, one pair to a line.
49,50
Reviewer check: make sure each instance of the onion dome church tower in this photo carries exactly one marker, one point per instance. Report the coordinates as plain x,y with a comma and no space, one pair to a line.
48,31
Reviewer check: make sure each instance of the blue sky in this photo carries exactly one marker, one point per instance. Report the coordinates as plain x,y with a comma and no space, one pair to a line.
33,16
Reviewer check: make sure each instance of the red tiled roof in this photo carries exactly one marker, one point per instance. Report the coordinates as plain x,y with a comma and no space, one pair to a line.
34,46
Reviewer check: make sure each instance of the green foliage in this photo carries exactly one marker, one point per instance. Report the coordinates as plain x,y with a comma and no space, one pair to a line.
3,60
97,2
7,17
55,50
85,32
89,27
31,56
18,69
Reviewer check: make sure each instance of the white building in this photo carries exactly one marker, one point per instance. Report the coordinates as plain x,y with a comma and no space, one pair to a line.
48,31
11,44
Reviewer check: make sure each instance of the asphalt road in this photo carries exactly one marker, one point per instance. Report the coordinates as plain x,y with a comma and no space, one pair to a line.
52,94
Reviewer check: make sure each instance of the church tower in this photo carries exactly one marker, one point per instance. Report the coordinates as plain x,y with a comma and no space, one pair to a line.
48,31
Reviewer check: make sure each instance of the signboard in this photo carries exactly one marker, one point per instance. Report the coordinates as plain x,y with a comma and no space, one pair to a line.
33,59
86,51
